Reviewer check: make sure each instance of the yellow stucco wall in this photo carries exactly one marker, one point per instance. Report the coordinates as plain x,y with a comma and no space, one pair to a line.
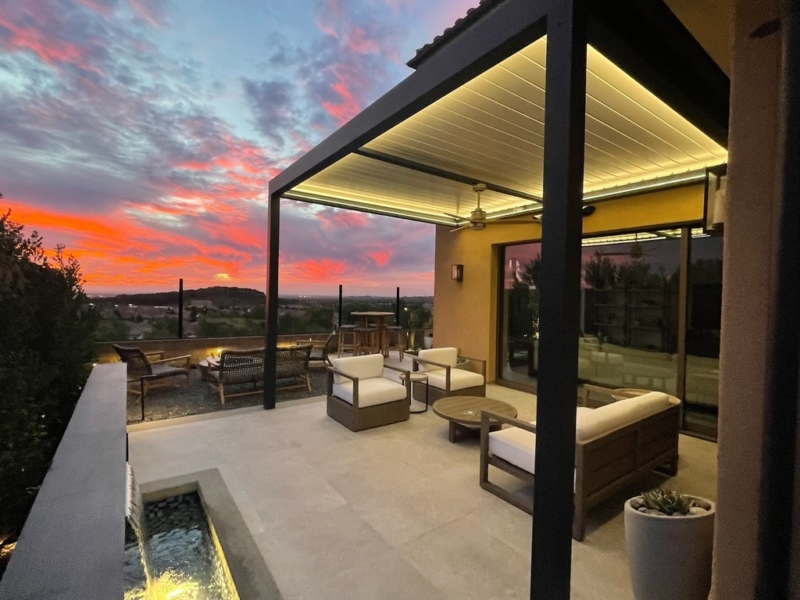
466,312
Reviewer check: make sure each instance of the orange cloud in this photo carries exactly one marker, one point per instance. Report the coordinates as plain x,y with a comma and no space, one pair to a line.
380,258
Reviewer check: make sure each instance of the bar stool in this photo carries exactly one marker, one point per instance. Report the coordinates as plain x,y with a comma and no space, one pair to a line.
346,339
394,339
365,340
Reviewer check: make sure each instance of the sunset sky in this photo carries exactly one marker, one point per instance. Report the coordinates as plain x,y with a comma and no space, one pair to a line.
142,135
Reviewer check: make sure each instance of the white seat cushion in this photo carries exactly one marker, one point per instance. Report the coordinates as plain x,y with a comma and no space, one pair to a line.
514,445
375,390
362,367
619,413
443,356
459,379
518,446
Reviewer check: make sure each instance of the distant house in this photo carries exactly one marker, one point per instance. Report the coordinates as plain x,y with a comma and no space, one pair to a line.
201,304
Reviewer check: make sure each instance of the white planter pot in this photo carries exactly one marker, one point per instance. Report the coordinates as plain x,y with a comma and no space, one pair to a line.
669,557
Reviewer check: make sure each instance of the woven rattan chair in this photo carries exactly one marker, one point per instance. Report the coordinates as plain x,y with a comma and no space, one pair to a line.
149,373
238,367
292,363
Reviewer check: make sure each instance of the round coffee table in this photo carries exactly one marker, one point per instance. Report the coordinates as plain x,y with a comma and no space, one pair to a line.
464,413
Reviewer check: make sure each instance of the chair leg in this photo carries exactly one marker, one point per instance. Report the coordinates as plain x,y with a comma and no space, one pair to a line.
144,391
308,382
222,394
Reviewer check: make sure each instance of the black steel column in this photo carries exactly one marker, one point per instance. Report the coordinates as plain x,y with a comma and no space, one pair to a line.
565,116
180,308
340,306
397,308
779,539
271,337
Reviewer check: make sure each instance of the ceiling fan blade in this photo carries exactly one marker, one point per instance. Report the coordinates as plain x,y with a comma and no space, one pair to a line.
452,216
466,226
530,221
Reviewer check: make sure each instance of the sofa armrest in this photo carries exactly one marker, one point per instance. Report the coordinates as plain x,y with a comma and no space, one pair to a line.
480,361
406,378
416,359
334,370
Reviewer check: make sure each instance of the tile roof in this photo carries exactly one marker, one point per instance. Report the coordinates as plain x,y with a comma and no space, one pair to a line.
449,34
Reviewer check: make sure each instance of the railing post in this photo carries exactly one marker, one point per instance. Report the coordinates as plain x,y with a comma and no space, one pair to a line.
397,308
180,308
340,306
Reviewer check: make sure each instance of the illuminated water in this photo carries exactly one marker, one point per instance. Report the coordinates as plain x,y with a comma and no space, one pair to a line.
182,559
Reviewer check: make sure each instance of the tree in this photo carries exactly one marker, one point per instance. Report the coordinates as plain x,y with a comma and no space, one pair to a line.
45,356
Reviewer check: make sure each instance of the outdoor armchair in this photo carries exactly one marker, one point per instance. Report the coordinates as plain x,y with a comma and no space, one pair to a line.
360,397
445,378
150,373
238,367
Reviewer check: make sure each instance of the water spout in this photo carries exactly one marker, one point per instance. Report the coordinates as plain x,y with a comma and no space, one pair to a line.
137,584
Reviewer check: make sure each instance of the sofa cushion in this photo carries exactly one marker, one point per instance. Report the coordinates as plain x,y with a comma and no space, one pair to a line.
514,445
618,414
362,367
375,390
459,379
444,356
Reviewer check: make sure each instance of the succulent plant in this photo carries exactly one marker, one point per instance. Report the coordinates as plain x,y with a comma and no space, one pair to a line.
667,502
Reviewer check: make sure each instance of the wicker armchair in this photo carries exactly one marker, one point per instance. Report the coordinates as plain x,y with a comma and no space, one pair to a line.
149,373
238,367
292,363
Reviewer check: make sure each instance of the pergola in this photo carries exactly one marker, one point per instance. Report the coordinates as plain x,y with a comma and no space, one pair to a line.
552,104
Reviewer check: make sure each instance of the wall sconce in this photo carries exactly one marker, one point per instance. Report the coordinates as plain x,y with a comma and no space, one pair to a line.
457,272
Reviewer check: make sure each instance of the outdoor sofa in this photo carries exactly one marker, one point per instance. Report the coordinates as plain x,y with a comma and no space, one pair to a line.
615,445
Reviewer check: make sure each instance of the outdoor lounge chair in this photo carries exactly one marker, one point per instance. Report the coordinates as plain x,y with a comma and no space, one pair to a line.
444,376
238,367
360,397
147,372
292,363
321,351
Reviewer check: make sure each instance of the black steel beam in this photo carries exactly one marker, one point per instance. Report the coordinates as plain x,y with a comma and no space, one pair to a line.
779,539
559,302
271,334
647,41
444,174
503,31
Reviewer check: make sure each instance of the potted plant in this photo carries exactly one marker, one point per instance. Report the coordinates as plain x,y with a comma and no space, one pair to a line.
670,538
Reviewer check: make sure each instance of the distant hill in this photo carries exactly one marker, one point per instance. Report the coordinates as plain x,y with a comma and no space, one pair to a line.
218,295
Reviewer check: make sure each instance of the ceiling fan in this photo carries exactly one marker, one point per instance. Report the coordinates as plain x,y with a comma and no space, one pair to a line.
477,219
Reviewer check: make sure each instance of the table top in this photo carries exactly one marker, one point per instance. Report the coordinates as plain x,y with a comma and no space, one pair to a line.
209,361
372,313
467,409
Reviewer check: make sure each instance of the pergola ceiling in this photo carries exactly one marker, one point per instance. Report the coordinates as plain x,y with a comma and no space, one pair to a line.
491,130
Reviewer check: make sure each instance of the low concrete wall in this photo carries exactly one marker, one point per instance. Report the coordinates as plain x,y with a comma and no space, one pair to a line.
72,545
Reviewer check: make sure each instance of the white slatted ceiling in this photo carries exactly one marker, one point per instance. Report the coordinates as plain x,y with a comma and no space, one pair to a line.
492,129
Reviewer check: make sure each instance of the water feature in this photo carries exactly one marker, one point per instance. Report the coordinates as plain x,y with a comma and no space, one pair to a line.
172,552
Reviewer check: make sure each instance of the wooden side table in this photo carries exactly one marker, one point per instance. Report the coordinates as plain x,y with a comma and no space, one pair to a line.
418,377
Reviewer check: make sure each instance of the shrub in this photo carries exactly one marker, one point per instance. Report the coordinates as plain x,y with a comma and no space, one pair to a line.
667,502
45,352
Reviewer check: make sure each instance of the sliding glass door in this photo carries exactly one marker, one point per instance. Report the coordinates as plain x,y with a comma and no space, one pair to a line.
630,317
